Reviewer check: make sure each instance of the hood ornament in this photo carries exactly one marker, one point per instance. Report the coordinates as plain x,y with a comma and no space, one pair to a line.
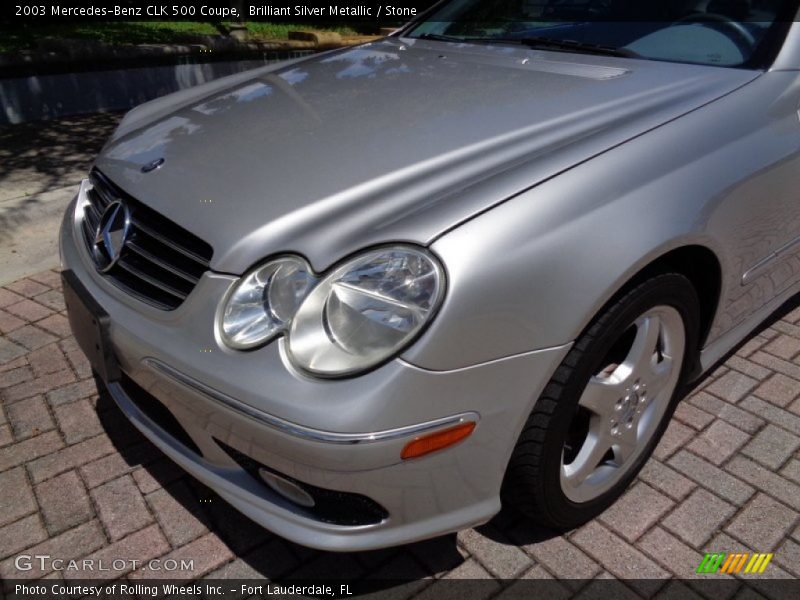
152,165
111,235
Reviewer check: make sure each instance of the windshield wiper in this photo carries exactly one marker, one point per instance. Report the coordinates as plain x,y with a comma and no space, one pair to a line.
440,38
570,46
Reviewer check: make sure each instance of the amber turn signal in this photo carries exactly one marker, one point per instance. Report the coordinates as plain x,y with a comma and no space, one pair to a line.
437,441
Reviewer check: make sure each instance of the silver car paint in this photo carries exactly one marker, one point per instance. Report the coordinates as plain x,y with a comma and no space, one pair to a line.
439,135
526,275
788,58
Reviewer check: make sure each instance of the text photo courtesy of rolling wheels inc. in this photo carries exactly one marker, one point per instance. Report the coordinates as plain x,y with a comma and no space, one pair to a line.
463,299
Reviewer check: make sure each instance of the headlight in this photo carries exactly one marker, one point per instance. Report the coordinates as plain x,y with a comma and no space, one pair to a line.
263,303
366,311
359,315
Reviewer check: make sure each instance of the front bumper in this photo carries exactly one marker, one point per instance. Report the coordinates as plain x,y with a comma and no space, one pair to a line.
334,434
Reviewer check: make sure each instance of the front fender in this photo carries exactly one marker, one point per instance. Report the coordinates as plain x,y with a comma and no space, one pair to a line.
534,271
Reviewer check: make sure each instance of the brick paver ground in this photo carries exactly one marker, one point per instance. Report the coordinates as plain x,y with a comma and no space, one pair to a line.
77,481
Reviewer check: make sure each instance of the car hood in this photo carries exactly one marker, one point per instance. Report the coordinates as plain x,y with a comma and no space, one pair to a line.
396,140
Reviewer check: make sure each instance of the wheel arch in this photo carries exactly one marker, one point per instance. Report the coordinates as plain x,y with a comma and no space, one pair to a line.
702,267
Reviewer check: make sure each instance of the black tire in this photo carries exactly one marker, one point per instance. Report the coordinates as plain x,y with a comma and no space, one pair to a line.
532,481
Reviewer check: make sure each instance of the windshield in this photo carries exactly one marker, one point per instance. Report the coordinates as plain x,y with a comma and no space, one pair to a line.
710,32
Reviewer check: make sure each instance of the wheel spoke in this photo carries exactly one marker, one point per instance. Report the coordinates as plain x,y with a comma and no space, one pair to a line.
645,343
592,452
624,445
659,376
600,395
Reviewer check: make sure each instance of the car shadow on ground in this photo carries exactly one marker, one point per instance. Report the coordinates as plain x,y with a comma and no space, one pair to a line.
262,554
45,155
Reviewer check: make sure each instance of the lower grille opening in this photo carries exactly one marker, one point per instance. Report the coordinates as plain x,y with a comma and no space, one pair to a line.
330,506
157,412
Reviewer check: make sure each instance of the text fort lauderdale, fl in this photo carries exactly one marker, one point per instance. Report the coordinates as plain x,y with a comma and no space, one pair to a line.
302,10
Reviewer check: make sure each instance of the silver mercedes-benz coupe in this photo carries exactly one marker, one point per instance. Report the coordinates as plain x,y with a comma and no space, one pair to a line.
369,295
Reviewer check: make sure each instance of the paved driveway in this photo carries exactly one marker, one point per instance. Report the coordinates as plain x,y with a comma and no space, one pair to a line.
76,480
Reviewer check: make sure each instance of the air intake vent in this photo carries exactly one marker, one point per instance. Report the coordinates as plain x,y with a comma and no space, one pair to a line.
160,262
329,506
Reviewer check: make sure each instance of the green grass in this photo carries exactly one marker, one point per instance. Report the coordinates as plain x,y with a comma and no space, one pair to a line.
280,31
16,38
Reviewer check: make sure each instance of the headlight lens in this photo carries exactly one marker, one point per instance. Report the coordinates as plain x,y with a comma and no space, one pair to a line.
263,303
366,310
360,314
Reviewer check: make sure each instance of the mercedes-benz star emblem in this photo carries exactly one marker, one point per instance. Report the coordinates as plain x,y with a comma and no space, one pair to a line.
112,231
152,165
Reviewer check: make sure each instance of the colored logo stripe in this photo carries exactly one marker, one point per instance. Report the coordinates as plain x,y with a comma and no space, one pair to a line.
758,563
733,563
711,563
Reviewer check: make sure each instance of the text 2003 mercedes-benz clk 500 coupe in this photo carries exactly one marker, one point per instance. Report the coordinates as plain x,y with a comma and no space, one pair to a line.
367,294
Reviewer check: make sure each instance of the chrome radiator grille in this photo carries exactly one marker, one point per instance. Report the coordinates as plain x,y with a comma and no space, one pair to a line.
160,262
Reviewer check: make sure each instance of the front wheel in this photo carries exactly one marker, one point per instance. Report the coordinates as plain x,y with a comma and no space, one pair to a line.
602,414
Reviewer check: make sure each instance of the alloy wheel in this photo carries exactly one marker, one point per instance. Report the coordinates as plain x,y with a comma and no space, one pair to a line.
622,404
